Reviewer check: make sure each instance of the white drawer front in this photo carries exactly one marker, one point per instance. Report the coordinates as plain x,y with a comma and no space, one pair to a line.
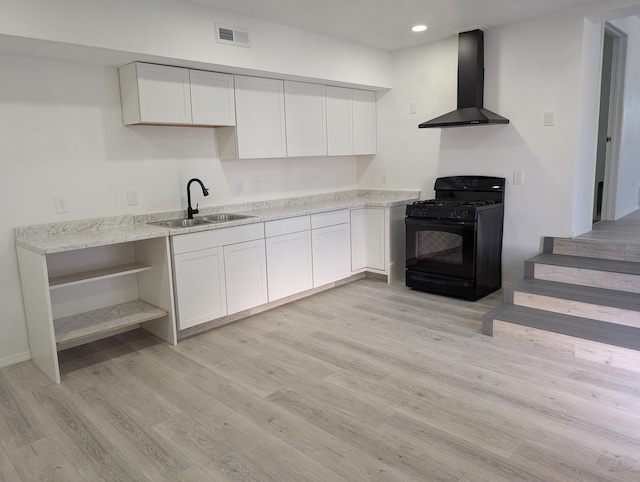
287,226
330,218
184,243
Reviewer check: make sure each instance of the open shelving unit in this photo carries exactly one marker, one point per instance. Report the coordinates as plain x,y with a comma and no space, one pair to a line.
81,295
105,320
96,274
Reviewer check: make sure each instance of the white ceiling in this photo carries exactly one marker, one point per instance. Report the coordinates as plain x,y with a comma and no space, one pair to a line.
386,24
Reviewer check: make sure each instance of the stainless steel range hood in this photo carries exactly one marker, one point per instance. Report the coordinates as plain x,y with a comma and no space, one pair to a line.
470,109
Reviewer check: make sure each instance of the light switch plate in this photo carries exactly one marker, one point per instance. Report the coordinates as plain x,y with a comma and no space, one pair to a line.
518,177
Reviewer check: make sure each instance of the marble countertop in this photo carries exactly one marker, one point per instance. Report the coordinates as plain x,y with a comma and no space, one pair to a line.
53,238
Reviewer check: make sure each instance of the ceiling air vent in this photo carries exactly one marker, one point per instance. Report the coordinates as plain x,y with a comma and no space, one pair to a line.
233,36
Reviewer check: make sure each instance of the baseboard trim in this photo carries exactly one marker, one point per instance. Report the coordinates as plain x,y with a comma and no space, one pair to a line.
12,360
210,325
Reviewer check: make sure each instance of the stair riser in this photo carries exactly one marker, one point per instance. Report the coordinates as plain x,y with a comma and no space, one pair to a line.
576,308
577,347
586,277
569,247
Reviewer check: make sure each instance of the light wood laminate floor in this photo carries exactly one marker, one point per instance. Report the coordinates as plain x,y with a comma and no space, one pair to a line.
365,382
625,230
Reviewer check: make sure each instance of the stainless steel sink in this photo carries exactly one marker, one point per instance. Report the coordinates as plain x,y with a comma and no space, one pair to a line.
224,217
200,220
180,223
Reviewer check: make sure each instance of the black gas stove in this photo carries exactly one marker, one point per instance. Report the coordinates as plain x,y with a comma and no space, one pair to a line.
454,241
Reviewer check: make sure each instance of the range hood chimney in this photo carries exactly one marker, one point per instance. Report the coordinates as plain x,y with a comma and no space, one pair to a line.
470,87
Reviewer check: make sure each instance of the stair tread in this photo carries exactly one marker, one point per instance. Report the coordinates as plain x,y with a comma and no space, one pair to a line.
585,294
599,264
585,328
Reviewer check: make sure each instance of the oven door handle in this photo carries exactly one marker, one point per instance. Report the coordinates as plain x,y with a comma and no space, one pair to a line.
437,222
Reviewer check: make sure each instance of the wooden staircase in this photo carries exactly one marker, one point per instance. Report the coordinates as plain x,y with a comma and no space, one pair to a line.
579,297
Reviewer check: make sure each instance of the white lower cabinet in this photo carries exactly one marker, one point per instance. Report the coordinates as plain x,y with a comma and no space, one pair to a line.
200,286
289,260
376,238
218,273
331,242
245,275
369,235
225,271
358,241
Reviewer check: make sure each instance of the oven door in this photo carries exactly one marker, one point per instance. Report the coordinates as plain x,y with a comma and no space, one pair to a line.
444,247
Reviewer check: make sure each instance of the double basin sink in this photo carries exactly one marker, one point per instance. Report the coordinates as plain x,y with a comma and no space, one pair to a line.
201,220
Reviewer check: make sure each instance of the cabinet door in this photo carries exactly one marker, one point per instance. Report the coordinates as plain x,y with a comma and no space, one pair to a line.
260,118
246,275
358,240
331,254
290,264
364,122
212,98
375,235
199,286
305,115
165,96
339,121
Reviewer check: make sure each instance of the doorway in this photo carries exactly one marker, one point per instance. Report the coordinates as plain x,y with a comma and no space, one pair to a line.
606,175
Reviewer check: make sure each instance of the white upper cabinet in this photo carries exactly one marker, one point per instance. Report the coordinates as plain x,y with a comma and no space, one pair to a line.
257,117
364,122
160,94
260,121
351,121
305,114
212,98
339,121
155,94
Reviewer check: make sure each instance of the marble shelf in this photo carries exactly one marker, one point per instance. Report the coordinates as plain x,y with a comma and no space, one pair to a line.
95,275
104,320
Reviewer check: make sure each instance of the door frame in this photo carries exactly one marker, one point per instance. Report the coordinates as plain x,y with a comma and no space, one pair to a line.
616,96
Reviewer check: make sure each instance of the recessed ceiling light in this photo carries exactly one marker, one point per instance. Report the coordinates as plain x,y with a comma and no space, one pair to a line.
419,28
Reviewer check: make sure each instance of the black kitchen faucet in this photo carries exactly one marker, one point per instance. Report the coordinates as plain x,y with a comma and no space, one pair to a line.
205,191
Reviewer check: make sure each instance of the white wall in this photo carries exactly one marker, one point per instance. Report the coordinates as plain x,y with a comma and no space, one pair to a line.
182,33
526,75
628,173
61,133
60,122
549,64
628,190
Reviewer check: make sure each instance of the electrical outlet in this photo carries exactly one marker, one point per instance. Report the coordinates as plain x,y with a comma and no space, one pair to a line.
239,187
258,186
132,198
316,180
61,203
385,179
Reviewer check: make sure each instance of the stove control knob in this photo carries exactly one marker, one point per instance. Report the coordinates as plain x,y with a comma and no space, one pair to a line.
459,214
